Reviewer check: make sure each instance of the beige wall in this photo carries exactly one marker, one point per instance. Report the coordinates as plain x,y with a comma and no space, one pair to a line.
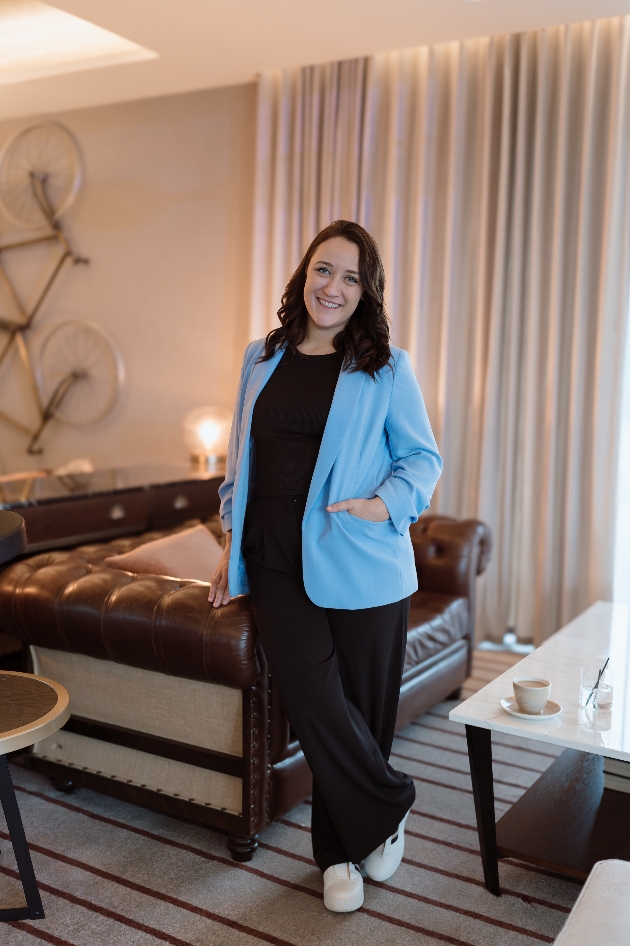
164,215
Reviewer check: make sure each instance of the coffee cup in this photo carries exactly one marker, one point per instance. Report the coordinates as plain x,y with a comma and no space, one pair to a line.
531,694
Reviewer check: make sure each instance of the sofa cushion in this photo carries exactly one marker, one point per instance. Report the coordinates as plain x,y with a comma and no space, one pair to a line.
191,554
435,622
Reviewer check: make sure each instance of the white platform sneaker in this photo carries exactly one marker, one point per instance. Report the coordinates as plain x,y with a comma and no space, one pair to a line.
385,860
343,888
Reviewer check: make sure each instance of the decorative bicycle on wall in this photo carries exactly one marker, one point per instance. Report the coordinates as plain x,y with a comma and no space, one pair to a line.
79,372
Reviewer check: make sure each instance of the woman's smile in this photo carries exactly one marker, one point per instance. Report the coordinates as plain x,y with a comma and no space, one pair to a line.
332,290
328,304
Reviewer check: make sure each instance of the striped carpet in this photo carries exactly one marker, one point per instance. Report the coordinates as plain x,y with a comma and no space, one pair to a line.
112,874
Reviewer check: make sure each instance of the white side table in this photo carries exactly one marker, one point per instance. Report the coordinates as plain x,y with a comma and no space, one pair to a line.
567,820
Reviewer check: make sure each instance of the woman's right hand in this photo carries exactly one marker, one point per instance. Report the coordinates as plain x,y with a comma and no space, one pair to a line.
219,591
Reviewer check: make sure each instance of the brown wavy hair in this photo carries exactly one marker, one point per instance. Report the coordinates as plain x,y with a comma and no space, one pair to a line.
364,341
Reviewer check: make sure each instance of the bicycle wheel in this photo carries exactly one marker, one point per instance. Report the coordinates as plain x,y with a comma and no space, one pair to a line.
44,155
84,350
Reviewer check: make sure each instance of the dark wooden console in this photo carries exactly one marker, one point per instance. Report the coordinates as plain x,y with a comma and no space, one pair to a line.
61,511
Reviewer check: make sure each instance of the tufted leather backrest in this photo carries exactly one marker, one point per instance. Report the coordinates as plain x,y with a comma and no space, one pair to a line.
63,601
450,553
69,600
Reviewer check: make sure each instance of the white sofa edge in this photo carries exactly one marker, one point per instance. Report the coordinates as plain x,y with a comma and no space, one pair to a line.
601,913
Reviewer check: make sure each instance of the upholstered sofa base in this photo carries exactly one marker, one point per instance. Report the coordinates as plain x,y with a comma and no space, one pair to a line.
195,750
180,737
242,847
174,745
122,768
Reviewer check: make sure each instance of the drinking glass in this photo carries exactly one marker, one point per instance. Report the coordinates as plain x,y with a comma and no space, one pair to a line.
592,695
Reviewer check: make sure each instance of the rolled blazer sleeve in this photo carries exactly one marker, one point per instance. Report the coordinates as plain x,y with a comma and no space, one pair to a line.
416,462
226,489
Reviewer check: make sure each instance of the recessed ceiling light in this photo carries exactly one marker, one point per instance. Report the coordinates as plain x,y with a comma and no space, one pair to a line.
38,40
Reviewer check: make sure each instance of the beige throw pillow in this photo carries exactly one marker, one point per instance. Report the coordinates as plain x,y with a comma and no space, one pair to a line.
193,553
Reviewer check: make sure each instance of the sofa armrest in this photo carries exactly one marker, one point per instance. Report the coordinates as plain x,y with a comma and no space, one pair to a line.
60,601
601,913
450,554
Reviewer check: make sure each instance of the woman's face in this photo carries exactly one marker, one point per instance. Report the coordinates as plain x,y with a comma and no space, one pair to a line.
332,289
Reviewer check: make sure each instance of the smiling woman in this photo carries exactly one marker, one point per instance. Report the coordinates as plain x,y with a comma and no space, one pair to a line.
332,292
334,301
331,459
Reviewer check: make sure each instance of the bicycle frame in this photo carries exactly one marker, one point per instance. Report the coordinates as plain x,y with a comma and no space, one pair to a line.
17,330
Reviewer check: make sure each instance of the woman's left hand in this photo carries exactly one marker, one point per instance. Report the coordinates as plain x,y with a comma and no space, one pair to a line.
374,510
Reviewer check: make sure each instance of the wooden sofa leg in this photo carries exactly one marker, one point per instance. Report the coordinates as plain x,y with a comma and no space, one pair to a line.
241,848
65,785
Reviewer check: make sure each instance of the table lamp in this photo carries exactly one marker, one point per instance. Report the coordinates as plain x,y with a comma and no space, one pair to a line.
206,435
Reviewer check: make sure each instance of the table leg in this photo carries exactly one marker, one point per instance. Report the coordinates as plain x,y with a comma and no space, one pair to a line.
33,909
480,756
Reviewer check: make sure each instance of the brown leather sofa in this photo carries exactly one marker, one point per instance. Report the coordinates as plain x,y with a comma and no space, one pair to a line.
173,706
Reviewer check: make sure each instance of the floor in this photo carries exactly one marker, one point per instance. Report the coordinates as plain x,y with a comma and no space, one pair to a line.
112,874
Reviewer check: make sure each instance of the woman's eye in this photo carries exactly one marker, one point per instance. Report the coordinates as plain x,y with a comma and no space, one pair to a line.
322,269
353,279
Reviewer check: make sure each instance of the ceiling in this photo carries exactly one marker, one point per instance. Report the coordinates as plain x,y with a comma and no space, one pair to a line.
207,43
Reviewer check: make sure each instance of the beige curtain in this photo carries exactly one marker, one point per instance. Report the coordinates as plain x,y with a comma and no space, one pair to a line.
494,174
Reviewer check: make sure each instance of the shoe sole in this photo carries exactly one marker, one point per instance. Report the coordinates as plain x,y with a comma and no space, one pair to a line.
347,904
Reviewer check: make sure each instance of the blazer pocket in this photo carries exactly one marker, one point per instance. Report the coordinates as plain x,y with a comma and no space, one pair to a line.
369,522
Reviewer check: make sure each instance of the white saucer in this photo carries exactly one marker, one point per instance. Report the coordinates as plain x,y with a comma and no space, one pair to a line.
550,709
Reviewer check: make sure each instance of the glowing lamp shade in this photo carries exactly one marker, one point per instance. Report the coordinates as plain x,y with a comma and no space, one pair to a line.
206,434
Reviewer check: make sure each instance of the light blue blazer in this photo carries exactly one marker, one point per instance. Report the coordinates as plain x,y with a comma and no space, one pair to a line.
377,442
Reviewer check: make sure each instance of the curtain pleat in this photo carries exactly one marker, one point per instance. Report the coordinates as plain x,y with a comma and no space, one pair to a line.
494,175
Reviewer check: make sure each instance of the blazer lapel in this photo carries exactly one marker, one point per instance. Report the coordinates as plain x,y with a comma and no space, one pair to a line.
343,406
261,372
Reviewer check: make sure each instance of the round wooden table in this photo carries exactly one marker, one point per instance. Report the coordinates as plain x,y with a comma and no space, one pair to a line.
12,535
31,708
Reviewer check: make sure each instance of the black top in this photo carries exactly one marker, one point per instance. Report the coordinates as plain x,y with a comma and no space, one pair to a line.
289,420
287,429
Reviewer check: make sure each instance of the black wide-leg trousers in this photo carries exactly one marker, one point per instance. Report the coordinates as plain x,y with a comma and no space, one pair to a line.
338,675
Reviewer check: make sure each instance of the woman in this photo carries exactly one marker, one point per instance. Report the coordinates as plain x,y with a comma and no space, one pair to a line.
331,458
